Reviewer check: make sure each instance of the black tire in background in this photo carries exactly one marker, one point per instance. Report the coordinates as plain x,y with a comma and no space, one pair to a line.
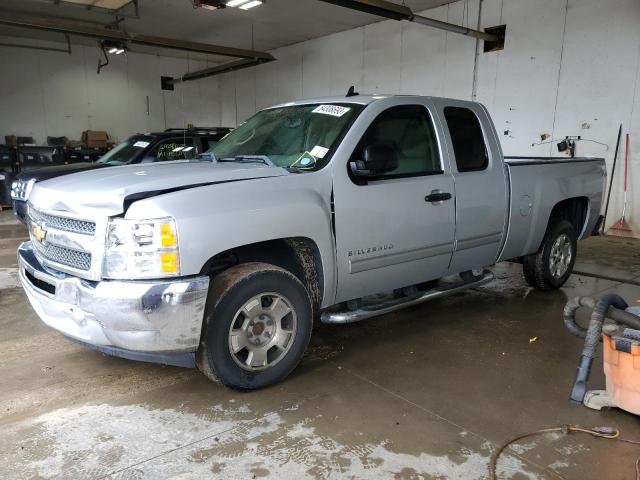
537,267
228,294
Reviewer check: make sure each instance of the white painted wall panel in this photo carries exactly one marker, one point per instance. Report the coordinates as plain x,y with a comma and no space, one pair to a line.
424,57
382,57
570,67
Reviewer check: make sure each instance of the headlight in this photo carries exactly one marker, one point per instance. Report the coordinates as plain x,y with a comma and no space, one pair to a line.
20,189
142,249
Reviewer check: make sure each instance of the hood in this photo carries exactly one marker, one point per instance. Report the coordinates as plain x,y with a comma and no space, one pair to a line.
45,173
103,192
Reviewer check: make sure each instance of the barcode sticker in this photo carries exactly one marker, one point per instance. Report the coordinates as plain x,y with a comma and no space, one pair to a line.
334,110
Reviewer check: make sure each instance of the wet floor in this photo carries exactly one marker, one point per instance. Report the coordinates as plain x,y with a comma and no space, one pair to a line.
427,392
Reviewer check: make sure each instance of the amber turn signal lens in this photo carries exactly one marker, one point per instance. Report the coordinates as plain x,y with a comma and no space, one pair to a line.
168,235
169,261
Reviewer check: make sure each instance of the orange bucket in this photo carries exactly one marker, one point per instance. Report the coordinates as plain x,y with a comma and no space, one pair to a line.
622,369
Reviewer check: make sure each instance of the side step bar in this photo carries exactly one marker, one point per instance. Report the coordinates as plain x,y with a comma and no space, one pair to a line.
368,311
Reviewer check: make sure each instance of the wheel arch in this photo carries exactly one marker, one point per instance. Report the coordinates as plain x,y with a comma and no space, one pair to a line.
575,210
298,255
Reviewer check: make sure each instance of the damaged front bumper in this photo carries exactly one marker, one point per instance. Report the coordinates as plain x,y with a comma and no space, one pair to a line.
153,321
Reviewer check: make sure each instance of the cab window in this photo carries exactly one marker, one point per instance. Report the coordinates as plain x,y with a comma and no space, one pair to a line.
409,131
468,141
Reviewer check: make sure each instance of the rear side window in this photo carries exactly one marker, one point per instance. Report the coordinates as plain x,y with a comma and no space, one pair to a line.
408,129
468,141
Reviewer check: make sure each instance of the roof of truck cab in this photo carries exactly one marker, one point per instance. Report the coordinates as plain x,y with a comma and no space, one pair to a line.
358,99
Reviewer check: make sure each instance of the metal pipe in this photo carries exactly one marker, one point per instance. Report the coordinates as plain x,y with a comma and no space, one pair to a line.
450,27
35,47
219,69
86,30
394,11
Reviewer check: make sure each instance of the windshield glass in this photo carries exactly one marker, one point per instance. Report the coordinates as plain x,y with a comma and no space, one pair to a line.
127,151
300,136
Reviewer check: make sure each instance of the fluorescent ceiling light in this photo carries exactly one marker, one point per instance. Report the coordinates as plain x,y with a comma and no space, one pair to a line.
252,4
244,4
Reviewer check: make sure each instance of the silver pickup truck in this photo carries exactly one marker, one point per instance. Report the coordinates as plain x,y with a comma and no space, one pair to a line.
336,209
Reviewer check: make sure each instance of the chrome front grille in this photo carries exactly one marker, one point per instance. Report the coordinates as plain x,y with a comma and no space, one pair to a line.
83,227
63,256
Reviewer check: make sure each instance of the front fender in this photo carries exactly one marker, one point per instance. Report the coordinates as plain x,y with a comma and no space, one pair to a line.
215,218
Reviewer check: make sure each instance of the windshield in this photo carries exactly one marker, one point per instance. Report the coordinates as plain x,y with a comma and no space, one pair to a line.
300,136
127,151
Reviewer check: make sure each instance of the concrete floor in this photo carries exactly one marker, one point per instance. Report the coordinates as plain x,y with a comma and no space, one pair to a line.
427,392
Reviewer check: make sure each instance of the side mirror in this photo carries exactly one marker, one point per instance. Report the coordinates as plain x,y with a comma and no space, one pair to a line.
377,159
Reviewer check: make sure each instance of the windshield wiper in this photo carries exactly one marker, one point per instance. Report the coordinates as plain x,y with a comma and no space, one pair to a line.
249,159
207,156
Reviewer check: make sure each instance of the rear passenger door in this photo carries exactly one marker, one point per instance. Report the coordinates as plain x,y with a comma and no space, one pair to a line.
481,185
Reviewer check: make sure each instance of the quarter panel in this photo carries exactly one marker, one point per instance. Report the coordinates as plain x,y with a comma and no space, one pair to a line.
537,188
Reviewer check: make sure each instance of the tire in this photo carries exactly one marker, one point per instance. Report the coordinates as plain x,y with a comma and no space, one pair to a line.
254,302
559,242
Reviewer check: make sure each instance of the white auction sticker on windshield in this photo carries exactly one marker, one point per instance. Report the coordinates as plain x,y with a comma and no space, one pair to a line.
318,151
335,110
141,144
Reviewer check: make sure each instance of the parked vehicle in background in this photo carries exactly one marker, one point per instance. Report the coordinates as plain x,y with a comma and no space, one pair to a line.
340,209
172,144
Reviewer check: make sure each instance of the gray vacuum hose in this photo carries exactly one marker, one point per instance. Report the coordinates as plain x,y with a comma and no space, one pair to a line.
569,314
592,335
619,316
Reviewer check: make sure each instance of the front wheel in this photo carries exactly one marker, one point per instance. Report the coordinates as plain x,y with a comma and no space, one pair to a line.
258,323
550,267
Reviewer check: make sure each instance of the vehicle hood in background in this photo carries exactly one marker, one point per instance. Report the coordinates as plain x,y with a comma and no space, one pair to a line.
45,173
103,192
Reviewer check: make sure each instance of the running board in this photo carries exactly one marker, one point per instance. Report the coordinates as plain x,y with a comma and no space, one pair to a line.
368,311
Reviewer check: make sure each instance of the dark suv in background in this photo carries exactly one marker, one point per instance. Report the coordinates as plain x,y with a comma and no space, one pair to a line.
172,144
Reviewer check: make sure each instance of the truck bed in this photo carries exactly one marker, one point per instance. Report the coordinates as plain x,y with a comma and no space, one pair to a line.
536,185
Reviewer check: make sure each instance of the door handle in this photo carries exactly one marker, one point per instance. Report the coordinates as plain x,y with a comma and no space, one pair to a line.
436,196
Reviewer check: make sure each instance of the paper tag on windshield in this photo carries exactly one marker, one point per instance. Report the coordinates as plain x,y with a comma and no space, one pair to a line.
334,110
141,144
318,151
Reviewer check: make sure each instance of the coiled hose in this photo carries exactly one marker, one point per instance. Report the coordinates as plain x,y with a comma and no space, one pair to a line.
611,306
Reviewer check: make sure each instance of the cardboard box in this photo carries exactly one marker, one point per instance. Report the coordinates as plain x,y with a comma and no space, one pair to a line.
95,139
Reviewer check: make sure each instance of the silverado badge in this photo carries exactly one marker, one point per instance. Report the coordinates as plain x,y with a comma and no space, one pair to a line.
39,233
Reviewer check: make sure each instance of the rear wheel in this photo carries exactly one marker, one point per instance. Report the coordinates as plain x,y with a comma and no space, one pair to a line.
258,324
550,267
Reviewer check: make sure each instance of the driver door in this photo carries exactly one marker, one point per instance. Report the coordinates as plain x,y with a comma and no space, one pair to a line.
389,231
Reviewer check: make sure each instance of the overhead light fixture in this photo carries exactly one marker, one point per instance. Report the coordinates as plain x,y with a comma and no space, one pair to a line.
244,4
113,47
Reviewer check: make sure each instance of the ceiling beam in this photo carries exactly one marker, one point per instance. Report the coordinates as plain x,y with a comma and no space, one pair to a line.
53,24
394,11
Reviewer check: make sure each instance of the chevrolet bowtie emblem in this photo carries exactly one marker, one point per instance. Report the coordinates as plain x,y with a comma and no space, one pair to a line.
38,232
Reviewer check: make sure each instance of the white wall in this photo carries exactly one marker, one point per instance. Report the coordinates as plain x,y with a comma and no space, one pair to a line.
570,67
46,93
